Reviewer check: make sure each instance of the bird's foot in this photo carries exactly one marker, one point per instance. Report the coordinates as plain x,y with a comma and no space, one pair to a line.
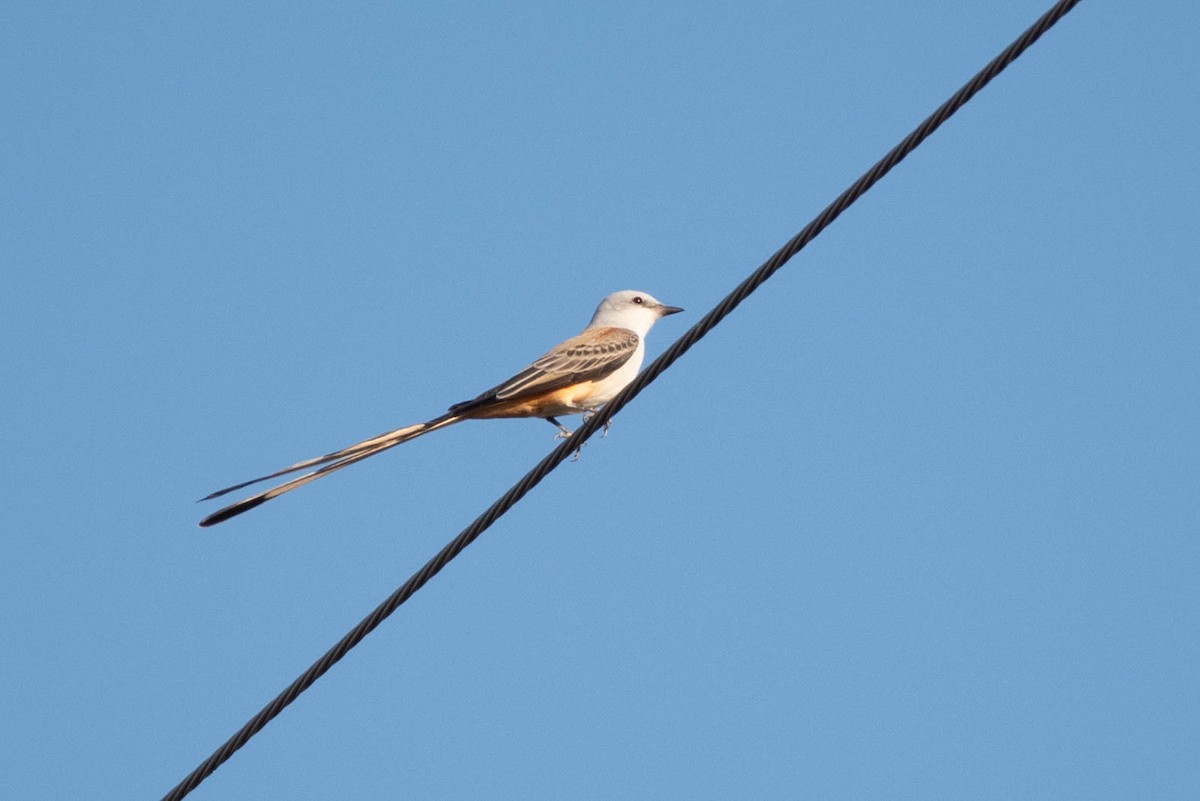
607,423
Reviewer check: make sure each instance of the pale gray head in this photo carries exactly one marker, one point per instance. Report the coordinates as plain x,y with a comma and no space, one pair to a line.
637,311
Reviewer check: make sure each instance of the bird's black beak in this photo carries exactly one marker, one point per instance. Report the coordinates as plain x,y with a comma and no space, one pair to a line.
663,310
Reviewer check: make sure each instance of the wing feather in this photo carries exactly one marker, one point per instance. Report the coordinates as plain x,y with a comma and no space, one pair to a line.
590,356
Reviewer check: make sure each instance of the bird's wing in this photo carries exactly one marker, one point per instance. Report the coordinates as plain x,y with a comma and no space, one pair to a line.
590,356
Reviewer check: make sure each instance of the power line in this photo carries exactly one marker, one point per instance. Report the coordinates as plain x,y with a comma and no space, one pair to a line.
589,426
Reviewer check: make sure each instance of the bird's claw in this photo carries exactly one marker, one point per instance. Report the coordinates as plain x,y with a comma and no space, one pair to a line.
607,423
566,433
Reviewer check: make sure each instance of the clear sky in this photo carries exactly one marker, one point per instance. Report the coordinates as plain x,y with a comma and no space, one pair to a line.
920,520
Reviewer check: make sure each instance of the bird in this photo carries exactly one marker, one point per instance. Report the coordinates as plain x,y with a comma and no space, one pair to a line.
576,376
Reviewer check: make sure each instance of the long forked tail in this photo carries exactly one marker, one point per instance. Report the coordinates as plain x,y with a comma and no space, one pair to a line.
332,463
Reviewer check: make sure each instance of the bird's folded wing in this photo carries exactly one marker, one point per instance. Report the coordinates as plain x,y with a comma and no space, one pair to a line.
590,356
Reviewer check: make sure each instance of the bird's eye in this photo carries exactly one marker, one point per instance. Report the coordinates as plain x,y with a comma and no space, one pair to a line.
638,300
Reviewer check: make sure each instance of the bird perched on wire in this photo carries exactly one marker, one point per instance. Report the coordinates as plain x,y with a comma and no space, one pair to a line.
577,376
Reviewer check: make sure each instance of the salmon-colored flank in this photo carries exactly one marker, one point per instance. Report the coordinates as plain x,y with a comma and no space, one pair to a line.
560,401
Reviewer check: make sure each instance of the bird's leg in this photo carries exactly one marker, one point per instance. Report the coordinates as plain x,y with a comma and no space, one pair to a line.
563,431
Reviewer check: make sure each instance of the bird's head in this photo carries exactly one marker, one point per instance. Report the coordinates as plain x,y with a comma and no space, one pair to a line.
637,311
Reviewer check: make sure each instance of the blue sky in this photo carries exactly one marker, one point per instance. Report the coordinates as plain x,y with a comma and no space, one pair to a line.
918,521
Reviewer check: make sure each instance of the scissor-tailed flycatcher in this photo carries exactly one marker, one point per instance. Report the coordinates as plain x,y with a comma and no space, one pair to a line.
576,376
